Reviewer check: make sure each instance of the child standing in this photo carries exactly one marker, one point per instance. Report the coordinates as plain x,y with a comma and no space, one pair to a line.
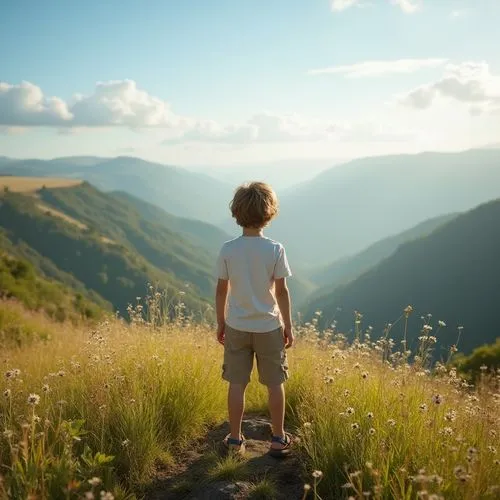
253,312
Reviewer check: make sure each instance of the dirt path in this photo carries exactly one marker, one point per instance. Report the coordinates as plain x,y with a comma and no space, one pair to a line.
207,473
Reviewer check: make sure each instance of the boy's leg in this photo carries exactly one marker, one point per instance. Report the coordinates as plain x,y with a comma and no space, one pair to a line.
273,371
277,410
238,362
236,407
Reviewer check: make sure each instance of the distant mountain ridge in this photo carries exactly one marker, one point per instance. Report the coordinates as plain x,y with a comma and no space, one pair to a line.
174,189
453,273
350,206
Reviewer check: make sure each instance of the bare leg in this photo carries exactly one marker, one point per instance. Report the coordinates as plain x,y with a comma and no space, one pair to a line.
236,406
277,410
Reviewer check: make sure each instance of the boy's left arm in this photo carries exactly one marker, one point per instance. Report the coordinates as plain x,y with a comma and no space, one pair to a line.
220,307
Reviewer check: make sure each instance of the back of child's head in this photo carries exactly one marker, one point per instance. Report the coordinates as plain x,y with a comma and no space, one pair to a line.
254,205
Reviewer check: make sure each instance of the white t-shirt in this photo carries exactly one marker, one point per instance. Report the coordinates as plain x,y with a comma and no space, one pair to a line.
251,264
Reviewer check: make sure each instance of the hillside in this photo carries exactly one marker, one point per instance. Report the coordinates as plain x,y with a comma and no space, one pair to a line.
176,190
452,273
347,269
104,245
198,233
351,206
20,281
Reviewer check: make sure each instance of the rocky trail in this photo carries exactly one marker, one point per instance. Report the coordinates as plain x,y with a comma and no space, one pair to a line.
207,472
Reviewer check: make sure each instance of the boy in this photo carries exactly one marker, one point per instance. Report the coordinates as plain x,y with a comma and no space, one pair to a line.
256,318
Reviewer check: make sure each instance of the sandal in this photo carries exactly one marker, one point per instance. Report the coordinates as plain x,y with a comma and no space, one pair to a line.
286,442
235,446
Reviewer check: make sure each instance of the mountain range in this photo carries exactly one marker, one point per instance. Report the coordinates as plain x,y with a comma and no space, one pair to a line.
373,235
452,273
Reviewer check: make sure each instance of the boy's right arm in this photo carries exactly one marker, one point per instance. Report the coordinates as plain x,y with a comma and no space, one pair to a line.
283,299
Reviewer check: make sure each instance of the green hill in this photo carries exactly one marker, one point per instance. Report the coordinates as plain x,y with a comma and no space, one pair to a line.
19,280
452,273
92,240
176,190
198,233
349,268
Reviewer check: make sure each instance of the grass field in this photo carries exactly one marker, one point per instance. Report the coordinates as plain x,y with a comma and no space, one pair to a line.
33,184
88,411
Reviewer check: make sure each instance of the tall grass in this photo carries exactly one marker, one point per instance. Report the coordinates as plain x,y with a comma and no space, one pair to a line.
92,411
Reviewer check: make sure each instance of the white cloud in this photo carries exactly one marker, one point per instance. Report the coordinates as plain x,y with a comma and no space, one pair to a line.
338,5
469,82
378,68
25,105
408,6
114,103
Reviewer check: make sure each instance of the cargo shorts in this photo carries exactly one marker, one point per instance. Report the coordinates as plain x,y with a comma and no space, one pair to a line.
269,350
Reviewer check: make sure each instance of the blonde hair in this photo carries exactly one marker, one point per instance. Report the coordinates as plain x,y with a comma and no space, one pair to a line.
254,205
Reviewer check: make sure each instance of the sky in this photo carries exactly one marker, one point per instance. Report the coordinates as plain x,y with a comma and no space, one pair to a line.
218,83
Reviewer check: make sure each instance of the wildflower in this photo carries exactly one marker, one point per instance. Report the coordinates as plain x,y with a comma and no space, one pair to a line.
317,474
423,407
408,310
369,415
372,431
33,399
483,368
347,392
9,374
350,411
307,487
451,415
125,443
95,481
61,373
364,375
7,393
45,388
447,431
107,495
36,419
437,399
442,324
391,422
471,450
492,449
355,426
307,425
459,470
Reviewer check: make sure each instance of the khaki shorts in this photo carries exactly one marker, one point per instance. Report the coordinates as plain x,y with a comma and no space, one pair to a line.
269,349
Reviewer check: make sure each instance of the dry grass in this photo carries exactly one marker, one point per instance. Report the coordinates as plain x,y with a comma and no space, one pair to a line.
33,184
111,403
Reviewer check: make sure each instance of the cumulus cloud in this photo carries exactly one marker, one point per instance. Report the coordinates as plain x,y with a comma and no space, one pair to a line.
378,68
25,105
470,82
114,103
407,6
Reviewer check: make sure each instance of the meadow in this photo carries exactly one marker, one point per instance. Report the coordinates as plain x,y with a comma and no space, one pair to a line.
92,412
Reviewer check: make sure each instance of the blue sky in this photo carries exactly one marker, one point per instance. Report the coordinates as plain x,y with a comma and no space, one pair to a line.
220,82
